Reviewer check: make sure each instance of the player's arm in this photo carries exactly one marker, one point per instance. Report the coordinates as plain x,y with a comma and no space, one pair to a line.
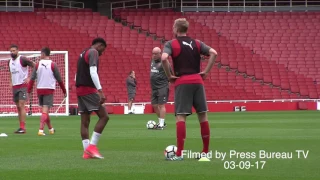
57,76
26,62
208,51
167,51
131,82
93,62
33,78
171,69
10,83
135,82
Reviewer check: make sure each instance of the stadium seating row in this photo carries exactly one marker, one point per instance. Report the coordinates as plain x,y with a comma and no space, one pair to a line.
243,51
252,50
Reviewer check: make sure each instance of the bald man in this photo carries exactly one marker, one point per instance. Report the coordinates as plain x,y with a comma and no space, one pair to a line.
160,87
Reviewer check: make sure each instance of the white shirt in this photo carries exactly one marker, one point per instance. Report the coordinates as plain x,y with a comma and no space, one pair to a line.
45,76
18,73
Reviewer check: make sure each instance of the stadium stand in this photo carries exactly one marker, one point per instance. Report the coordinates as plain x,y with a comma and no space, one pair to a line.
245,70
255,44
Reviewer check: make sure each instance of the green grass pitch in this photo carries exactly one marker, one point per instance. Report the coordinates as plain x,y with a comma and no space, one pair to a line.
133,152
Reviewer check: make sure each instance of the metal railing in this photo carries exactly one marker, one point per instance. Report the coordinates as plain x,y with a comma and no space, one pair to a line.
29,5
157,4
219,5
16,5
138,4
57,4
247,5
250,3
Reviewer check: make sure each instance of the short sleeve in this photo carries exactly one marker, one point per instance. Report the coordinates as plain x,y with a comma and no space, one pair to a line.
93,57
25,61
168,48
56,72
204,49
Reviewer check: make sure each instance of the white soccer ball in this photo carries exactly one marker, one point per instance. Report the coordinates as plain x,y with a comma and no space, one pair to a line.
170,151
151,124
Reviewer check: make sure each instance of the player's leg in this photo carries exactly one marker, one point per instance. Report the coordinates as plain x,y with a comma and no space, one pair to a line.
16,101
183,101
130,102
21,128
84,130
20,97
84,127
92,104
200,105
102,122
154,102
43,116
48,101
162,100
22,103
156,109
23,114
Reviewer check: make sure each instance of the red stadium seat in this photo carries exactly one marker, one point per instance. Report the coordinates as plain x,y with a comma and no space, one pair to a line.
313,95
256,44
261,35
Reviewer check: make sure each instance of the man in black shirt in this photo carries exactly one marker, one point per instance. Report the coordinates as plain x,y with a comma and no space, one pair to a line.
131,88
188,80
159,86
90,97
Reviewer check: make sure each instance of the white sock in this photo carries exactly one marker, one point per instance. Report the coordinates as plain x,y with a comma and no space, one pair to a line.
41,131
95,138
161,122
85,143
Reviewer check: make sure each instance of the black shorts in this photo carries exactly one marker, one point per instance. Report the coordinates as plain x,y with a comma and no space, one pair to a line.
160,96
89,103
131,97
46,100
188,96
19,94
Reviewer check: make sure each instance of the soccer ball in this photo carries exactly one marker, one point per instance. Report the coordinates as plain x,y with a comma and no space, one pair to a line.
151,124
170,151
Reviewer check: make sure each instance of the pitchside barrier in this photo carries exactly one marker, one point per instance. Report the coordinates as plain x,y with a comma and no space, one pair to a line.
213,106
223,106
